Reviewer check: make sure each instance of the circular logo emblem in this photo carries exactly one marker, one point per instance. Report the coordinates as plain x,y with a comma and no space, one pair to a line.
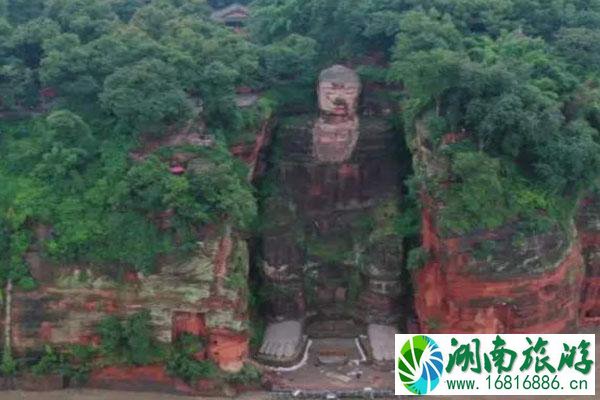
420,365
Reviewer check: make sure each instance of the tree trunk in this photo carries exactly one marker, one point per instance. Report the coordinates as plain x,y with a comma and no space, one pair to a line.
7,316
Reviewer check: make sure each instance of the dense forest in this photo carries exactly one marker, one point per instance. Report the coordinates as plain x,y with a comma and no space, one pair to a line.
83,83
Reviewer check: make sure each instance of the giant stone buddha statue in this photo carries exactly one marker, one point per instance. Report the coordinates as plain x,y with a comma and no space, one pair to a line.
325,274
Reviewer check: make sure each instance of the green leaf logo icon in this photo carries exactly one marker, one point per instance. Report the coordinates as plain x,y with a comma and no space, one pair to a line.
420,365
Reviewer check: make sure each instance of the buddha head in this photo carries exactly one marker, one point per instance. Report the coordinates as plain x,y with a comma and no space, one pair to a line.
339,88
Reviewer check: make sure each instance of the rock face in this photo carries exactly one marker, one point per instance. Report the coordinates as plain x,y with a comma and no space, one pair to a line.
588,223
329,250
453,296
253,153
495,281
195,296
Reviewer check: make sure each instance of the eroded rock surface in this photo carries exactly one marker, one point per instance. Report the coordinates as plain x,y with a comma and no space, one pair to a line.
183,297
588,223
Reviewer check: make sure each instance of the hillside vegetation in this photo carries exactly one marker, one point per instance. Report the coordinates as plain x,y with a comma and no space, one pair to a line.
84,82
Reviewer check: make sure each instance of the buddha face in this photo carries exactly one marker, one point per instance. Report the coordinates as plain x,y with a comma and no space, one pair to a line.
334,139
340,99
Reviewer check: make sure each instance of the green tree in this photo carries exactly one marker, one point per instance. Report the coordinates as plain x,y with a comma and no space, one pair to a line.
21,11
337,25
154,18
294,58
66,68
68,144
581,46
17,86
126,8
26,41
145,96
19,201
88,19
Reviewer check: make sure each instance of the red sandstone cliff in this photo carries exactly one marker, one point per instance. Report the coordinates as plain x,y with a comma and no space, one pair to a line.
192,296
588,224
451,297
534,284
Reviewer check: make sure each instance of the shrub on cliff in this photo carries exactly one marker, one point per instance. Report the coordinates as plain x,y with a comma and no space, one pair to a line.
183,362
247,376
416,259
128,340
59,172
485,195
74,363
17,203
